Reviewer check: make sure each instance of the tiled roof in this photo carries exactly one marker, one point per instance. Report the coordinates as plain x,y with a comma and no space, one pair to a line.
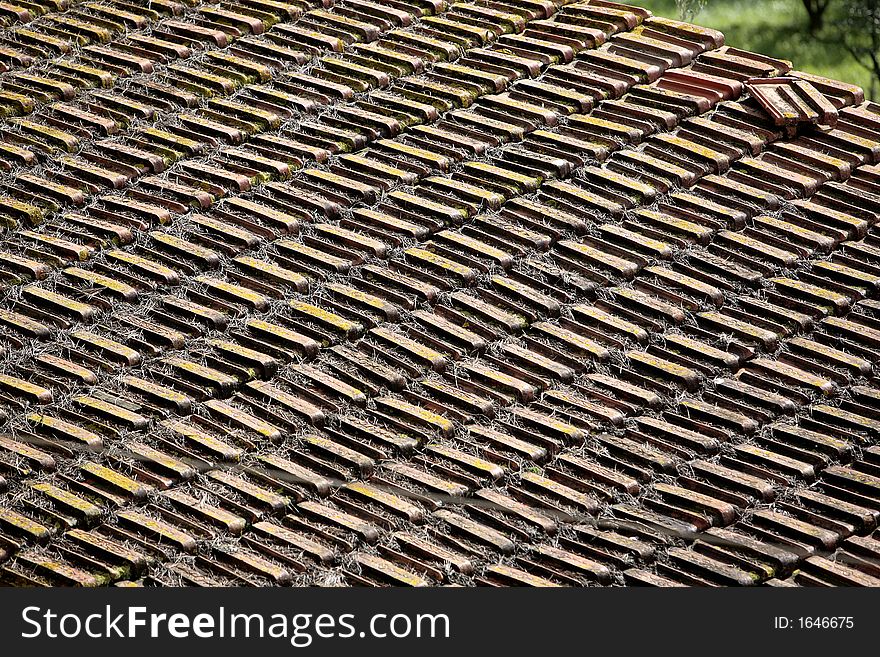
511,293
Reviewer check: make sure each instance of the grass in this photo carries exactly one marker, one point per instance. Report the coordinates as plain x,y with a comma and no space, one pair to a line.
773,27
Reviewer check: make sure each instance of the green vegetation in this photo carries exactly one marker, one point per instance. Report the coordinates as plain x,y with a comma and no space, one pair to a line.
779,28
